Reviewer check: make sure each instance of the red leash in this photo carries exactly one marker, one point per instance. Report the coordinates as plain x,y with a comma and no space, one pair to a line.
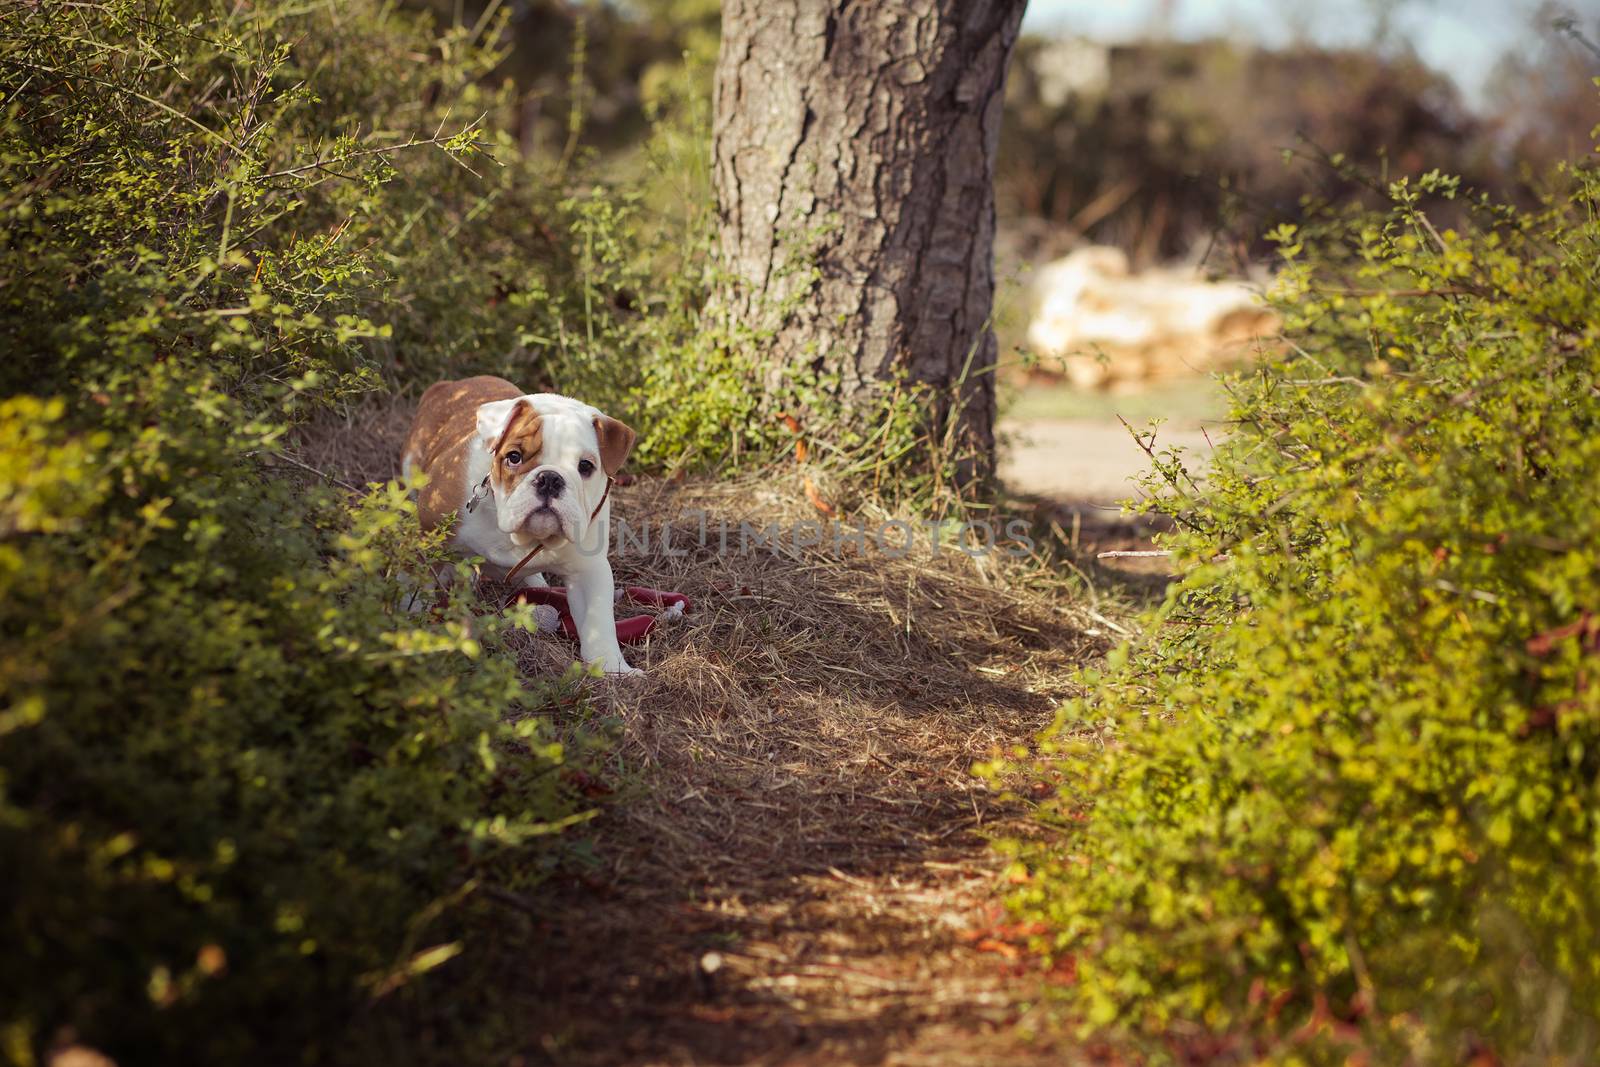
628,630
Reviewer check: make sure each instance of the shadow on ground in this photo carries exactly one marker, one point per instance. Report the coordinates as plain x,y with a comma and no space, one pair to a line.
791,863
799,873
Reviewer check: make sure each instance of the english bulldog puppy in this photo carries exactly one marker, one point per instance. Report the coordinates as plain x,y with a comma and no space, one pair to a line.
527,473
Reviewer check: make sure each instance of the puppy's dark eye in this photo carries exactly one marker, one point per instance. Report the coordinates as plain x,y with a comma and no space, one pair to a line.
585,468
513,458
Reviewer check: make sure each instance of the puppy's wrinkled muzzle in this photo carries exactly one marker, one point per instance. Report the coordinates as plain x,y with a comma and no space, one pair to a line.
542,525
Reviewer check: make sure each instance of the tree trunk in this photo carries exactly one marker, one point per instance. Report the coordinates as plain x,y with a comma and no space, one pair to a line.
855,144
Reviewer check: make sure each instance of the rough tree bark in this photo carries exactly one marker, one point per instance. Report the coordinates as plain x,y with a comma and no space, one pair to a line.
854,166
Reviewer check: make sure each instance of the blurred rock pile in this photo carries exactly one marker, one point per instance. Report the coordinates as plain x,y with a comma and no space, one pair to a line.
1100,325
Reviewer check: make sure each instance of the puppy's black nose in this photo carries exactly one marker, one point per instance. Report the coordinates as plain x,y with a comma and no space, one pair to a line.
548,484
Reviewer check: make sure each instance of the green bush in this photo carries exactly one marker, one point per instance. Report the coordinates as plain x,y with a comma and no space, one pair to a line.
1344,795
243,790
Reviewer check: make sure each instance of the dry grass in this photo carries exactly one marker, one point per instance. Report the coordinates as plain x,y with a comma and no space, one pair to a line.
793,866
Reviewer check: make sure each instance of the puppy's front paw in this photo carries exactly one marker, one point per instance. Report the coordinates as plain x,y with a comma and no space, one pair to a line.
617,668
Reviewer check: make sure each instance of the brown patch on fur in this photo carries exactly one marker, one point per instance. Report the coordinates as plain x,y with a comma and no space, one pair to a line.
524,433
616,441
442,438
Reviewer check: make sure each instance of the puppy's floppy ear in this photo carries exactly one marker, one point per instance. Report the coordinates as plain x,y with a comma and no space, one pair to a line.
495,418
616,441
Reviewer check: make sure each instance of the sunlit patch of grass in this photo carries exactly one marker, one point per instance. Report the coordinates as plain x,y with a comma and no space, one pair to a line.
1183,402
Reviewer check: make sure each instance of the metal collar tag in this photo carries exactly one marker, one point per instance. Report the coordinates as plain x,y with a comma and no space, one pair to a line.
478,494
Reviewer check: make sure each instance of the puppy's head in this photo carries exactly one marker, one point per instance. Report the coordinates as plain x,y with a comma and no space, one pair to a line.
549,457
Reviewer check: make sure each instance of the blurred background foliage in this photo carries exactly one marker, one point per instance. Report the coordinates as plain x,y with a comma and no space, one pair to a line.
1171,149
615,63
1156,148
1164,147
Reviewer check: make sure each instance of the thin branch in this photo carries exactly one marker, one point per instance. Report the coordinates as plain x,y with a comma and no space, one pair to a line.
324,475
168,108
377,150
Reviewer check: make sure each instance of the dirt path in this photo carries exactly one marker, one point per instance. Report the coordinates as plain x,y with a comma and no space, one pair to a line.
792,861
1091,461
794,868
